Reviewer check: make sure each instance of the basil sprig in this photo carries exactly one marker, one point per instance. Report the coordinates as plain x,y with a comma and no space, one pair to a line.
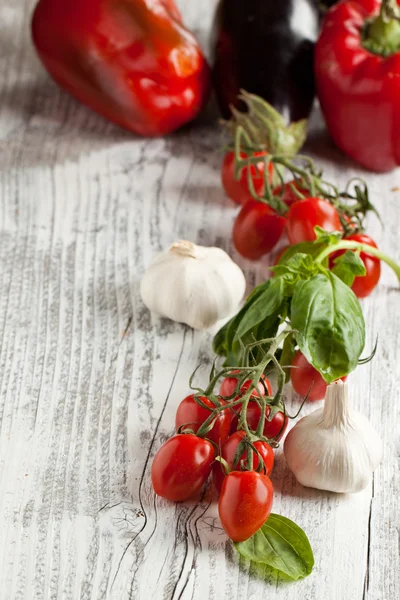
317,303
328,318
282,545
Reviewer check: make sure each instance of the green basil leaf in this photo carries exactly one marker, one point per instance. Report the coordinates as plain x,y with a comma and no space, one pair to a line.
299,266
288,352
266,330
281,544
312,248
327,237
232,359
263,306
330,325
223,340
324,239
219,342
300,263
348,266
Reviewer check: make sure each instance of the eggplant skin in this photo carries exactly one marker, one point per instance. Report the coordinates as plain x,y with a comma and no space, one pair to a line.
266,47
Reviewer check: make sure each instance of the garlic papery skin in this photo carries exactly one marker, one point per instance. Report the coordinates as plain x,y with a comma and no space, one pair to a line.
334,448
193,284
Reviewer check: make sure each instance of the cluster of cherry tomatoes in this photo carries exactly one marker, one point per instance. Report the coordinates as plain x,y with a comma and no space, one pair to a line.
240,466
258,228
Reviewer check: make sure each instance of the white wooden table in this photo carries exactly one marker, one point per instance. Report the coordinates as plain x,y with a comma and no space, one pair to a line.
89,382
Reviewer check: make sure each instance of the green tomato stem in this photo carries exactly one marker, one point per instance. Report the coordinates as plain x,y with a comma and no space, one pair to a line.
224,373
214,413
261,423
258,371
348,245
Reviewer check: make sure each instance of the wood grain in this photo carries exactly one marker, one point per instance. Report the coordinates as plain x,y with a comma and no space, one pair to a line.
89,381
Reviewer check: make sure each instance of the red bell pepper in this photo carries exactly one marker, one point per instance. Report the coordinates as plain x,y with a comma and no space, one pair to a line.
357,66
132,61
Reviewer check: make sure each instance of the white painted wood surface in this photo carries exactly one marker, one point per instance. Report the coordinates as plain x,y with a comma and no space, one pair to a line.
89,381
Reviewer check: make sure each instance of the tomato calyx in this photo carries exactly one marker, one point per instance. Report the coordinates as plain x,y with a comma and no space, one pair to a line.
352,204
266,127
247,448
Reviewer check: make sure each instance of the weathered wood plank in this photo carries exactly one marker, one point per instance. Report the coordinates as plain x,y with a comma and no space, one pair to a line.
89,381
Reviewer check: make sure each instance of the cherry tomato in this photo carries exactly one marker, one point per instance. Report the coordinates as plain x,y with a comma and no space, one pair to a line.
245,503
363,285
229,384
238,190
303,375
289,196
305,214
193,415
181,467
257,229
273,429
228,452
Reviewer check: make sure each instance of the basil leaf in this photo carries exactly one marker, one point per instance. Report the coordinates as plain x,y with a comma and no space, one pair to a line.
281,544
330,325
312,248
288,352
223,340
327,237
219,342
266,330
266,304
299,266
323,239
348,266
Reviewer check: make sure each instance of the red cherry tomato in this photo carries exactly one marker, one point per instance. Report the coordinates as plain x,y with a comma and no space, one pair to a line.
289,195
363,285
273,429
263,386
245,503
193,415
238,189
257,229
305,214
181,467
303,375
228,452
229,384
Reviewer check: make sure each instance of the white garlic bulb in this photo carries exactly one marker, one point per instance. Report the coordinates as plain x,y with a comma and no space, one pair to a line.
334,448
193,284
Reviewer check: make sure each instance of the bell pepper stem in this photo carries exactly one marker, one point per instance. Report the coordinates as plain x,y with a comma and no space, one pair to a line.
382,35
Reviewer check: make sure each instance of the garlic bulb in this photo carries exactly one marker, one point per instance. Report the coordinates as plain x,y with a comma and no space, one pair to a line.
193,284
334,448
